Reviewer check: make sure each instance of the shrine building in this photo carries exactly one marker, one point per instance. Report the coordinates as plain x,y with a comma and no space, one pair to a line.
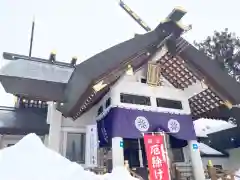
154,82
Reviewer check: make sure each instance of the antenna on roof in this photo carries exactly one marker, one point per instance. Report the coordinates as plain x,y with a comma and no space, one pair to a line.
31,40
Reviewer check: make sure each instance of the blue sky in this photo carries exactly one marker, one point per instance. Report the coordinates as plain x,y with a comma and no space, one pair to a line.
84,28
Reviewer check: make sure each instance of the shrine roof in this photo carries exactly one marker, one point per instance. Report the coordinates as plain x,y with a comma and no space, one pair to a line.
22,121
183,65
224,140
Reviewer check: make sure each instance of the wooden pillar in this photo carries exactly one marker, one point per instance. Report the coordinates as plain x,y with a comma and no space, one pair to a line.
211,171
176,173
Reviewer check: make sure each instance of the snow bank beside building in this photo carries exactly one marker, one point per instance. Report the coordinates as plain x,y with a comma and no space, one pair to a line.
237,177
205,149
29,159
203,126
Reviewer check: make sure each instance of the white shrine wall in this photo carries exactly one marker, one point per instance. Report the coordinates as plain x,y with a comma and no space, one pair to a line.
131,85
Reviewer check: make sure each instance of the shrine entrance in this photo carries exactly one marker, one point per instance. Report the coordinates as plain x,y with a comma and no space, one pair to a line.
137,161
136,158
122,130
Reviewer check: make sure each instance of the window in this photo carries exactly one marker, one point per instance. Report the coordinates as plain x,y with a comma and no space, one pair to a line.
134,99
167,103
75,150
178,155
100,110
108,102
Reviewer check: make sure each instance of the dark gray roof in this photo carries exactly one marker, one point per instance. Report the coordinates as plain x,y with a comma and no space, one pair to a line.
223,140
229,138
197,61
36,89
23,121
218,79
222,112
74,93
41,80
102,63
39,71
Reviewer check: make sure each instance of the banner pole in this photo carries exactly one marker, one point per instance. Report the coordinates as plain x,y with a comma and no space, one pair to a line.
140,154
166,153
155,145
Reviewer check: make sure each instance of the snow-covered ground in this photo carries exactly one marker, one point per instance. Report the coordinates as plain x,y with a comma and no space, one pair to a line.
205,149
237,177
29,159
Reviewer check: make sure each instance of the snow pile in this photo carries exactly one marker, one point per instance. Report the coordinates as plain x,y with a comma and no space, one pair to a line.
203,126
200,129
205,149
29,159
118,173
237,177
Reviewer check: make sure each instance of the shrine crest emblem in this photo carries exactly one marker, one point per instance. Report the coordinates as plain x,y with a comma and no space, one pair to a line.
142,124
173,126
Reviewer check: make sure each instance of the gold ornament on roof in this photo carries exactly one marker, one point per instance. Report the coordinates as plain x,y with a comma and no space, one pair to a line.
129,70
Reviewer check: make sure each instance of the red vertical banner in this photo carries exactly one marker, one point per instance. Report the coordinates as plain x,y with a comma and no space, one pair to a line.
156,156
